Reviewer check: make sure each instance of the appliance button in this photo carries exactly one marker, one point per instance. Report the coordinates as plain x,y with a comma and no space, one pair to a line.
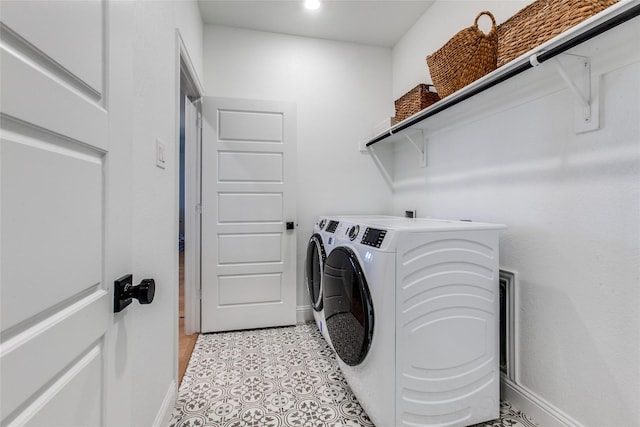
353,232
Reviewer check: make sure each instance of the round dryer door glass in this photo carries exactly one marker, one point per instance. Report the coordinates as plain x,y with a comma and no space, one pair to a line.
347,306
314,266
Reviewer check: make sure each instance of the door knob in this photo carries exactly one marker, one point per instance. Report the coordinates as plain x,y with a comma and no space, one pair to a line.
145,291
290,225
124,292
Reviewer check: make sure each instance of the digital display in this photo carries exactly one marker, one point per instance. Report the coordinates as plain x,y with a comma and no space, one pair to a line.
373,237
331,227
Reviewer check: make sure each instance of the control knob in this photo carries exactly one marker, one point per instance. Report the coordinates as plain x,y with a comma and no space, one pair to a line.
353,232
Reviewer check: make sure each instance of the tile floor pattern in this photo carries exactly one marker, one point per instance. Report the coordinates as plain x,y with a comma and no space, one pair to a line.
279,377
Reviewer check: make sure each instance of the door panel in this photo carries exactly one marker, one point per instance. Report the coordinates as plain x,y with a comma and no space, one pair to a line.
25,369
248,195
77,115
55,304
81,384
250,167
249,248
78,27
249,289
248,207
65,204
251,126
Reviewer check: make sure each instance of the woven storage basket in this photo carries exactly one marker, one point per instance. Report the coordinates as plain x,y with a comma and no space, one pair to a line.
541,21
465,58
417,99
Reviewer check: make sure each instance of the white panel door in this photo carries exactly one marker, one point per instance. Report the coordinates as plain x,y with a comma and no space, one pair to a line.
248,196
55,303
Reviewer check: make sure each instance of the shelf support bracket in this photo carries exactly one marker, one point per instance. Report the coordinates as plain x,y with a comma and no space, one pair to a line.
387,177
575,70
419,141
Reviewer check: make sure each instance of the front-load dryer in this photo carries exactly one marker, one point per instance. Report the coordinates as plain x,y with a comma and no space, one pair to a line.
412,311
319,245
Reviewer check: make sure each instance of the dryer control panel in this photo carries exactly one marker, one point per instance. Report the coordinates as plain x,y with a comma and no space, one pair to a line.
332,226
373,237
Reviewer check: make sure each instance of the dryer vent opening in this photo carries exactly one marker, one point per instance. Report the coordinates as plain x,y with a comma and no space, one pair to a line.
507,324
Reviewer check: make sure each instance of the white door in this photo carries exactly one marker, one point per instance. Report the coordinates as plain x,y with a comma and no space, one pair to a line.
55,169
248,196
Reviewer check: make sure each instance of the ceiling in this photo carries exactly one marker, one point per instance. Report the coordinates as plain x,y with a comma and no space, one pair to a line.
377,22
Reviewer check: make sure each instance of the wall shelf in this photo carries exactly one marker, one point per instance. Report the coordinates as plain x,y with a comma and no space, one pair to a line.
579,83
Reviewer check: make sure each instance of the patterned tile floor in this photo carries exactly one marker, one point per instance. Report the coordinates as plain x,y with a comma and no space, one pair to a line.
276,377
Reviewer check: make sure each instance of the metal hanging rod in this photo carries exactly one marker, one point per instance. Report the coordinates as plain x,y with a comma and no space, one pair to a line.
574,38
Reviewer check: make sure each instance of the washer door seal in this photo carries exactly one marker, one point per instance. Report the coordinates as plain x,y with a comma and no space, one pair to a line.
314,268
348,307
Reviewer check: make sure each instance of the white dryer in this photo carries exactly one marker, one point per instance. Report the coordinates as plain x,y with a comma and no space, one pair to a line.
412,311
319,245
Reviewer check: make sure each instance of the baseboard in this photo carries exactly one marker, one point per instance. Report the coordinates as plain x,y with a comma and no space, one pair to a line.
163,417
304,313
541,412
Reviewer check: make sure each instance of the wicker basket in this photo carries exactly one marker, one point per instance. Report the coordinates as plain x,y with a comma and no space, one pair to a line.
417,99
541,21
465,58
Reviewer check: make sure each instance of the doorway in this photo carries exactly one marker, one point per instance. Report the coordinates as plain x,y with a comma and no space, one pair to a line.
188,238
186,342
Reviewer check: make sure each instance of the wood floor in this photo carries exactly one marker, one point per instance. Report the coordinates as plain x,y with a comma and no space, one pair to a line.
185,342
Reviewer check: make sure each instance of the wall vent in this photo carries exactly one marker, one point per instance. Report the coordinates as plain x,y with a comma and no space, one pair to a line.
508,324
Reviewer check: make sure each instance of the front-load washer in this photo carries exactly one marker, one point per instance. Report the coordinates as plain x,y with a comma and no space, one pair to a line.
412,309
314,271
320,244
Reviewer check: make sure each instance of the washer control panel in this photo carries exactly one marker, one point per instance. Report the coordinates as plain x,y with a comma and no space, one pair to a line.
373,237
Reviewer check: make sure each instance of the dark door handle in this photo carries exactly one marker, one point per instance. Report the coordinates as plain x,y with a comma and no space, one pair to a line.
145,291
290,225
124,292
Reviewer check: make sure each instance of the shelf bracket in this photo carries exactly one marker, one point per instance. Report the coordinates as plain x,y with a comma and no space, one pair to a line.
575,70
419,141
387,177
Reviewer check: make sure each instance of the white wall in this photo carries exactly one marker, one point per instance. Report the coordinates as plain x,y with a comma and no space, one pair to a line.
572,204
189,22
441,21
146,373
341,91
510,155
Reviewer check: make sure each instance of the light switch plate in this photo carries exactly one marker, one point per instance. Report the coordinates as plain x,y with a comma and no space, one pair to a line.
161,151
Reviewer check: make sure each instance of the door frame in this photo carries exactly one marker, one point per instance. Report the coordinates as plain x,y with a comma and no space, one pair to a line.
193,89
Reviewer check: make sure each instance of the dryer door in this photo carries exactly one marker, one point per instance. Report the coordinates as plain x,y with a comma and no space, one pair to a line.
348,307
314,268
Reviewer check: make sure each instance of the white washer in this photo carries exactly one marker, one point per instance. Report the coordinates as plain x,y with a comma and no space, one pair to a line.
412,310
319,246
